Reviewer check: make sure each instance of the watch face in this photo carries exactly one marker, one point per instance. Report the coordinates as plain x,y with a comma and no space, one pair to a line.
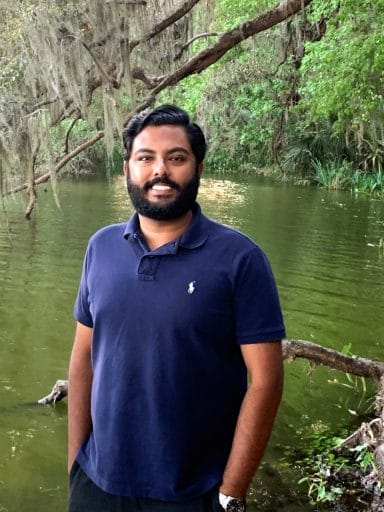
235,506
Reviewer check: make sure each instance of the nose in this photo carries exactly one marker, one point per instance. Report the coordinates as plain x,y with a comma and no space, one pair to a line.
160,168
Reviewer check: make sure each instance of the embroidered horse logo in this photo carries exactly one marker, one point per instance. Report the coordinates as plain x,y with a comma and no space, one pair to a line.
191,287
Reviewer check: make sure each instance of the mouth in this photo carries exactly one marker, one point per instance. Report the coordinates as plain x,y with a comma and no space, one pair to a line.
161,187
160,182
161,190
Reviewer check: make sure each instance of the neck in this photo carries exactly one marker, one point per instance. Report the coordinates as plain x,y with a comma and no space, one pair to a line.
159,232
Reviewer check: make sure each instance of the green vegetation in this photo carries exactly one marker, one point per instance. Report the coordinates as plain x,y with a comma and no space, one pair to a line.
304,99
301,99
333,475
339,466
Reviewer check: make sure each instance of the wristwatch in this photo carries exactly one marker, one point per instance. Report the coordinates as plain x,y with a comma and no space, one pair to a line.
231,504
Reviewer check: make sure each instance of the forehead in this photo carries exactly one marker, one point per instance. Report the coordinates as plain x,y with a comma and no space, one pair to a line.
161,138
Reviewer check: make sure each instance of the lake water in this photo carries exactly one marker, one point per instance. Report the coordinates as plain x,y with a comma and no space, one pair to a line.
324,249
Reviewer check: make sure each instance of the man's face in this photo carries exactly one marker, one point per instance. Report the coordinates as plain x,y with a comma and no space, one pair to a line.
162,175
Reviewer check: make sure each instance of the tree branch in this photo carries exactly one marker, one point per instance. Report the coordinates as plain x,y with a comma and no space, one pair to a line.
292,349
149,81
227,41
45,177
31,184
317,354
365,433
66,145
156,30
163,24
109,80
59,391
44,103
32,201
193,39
196,64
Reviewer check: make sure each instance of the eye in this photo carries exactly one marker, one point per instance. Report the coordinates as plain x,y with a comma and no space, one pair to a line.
144,158
177,158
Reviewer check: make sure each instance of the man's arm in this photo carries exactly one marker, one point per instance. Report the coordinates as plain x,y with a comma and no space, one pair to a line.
257,415
79,391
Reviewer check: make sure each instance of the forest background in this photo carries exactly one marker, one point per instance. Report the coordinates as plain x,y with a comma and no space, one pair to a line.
292,89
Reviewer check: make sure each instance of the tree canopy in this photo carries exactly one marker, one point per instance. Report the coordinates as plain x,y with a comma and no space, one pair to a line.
66,62
297,84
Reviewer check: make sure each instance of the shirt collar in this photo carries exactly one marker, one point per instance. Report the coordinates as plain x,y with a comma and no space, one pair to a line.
197,232
195,235
132,227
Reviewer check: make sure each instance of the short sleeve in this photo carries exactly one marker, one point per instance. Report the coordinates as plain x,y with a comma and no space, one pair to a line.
258,313
82,311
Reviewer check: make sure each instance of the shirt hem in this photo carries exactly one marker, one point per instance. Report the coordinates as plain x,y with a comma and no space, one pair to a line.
118,491
262,337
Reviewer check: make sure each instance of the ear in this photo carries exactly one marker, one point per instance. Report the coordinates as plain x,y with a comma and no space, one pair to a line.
200,169
125,168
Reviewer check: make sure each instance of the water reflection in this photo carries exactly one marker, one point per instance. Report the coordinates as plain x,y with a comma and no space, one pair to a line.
219,197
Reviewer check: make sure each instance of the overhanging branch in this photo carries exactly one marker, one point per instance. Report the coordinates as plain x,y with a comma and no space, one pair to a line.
46,177
227,41
196,64
193,39
230,39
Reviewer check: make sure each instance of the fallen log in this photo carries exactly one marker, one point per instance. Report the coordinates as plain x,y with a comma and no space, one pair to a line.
292,349
317,354
371,433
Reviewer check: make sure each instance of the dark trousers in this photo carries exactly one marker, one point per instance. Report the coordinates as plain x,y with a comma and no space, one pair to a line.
85,496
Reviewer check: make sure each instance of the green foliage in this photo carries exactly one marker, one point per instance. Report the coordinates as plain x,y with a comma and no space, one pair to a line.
228,14
329,474
331,175
333,136
364,456
246,126
188,94
372,183
343,73
318,462
304,97
317,142
238,116
239,100
336,175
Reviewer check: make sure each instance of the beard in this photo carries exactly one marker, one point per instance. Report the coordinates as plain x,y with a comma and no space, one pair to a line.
175,208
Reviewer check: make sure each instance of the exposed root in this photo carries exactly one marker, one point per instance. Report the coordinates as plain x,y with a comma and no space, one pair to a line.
59,391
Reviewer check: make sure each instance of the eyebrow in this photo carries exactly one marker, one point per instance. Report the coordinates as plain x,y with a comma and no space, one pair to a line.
176,149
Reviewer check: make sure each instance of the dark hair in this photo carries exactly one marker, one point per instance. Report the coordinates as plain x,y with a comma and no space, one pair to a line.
166,114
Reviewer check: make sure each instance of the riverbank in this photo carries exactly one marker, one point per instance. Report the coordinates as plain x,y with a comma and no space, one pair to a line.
332,176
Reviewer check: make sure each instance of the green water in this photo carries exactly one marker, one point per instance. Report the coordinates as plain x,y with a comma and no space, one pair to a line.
324,248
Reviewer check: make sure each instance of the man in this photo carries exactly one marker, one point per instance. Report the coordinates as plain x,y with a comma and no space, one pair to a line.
173,311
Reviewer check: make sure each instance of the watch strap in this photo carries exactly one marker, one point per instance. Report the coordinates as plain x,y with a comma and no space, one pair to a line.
224,500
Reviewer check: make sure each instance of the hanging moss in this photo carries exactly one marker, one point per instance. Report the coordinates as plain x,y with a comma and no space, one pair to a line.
74,59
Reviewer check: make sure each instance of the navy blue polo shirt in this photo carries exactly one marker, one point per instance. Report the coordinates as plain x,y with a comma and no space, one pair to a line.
169,378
